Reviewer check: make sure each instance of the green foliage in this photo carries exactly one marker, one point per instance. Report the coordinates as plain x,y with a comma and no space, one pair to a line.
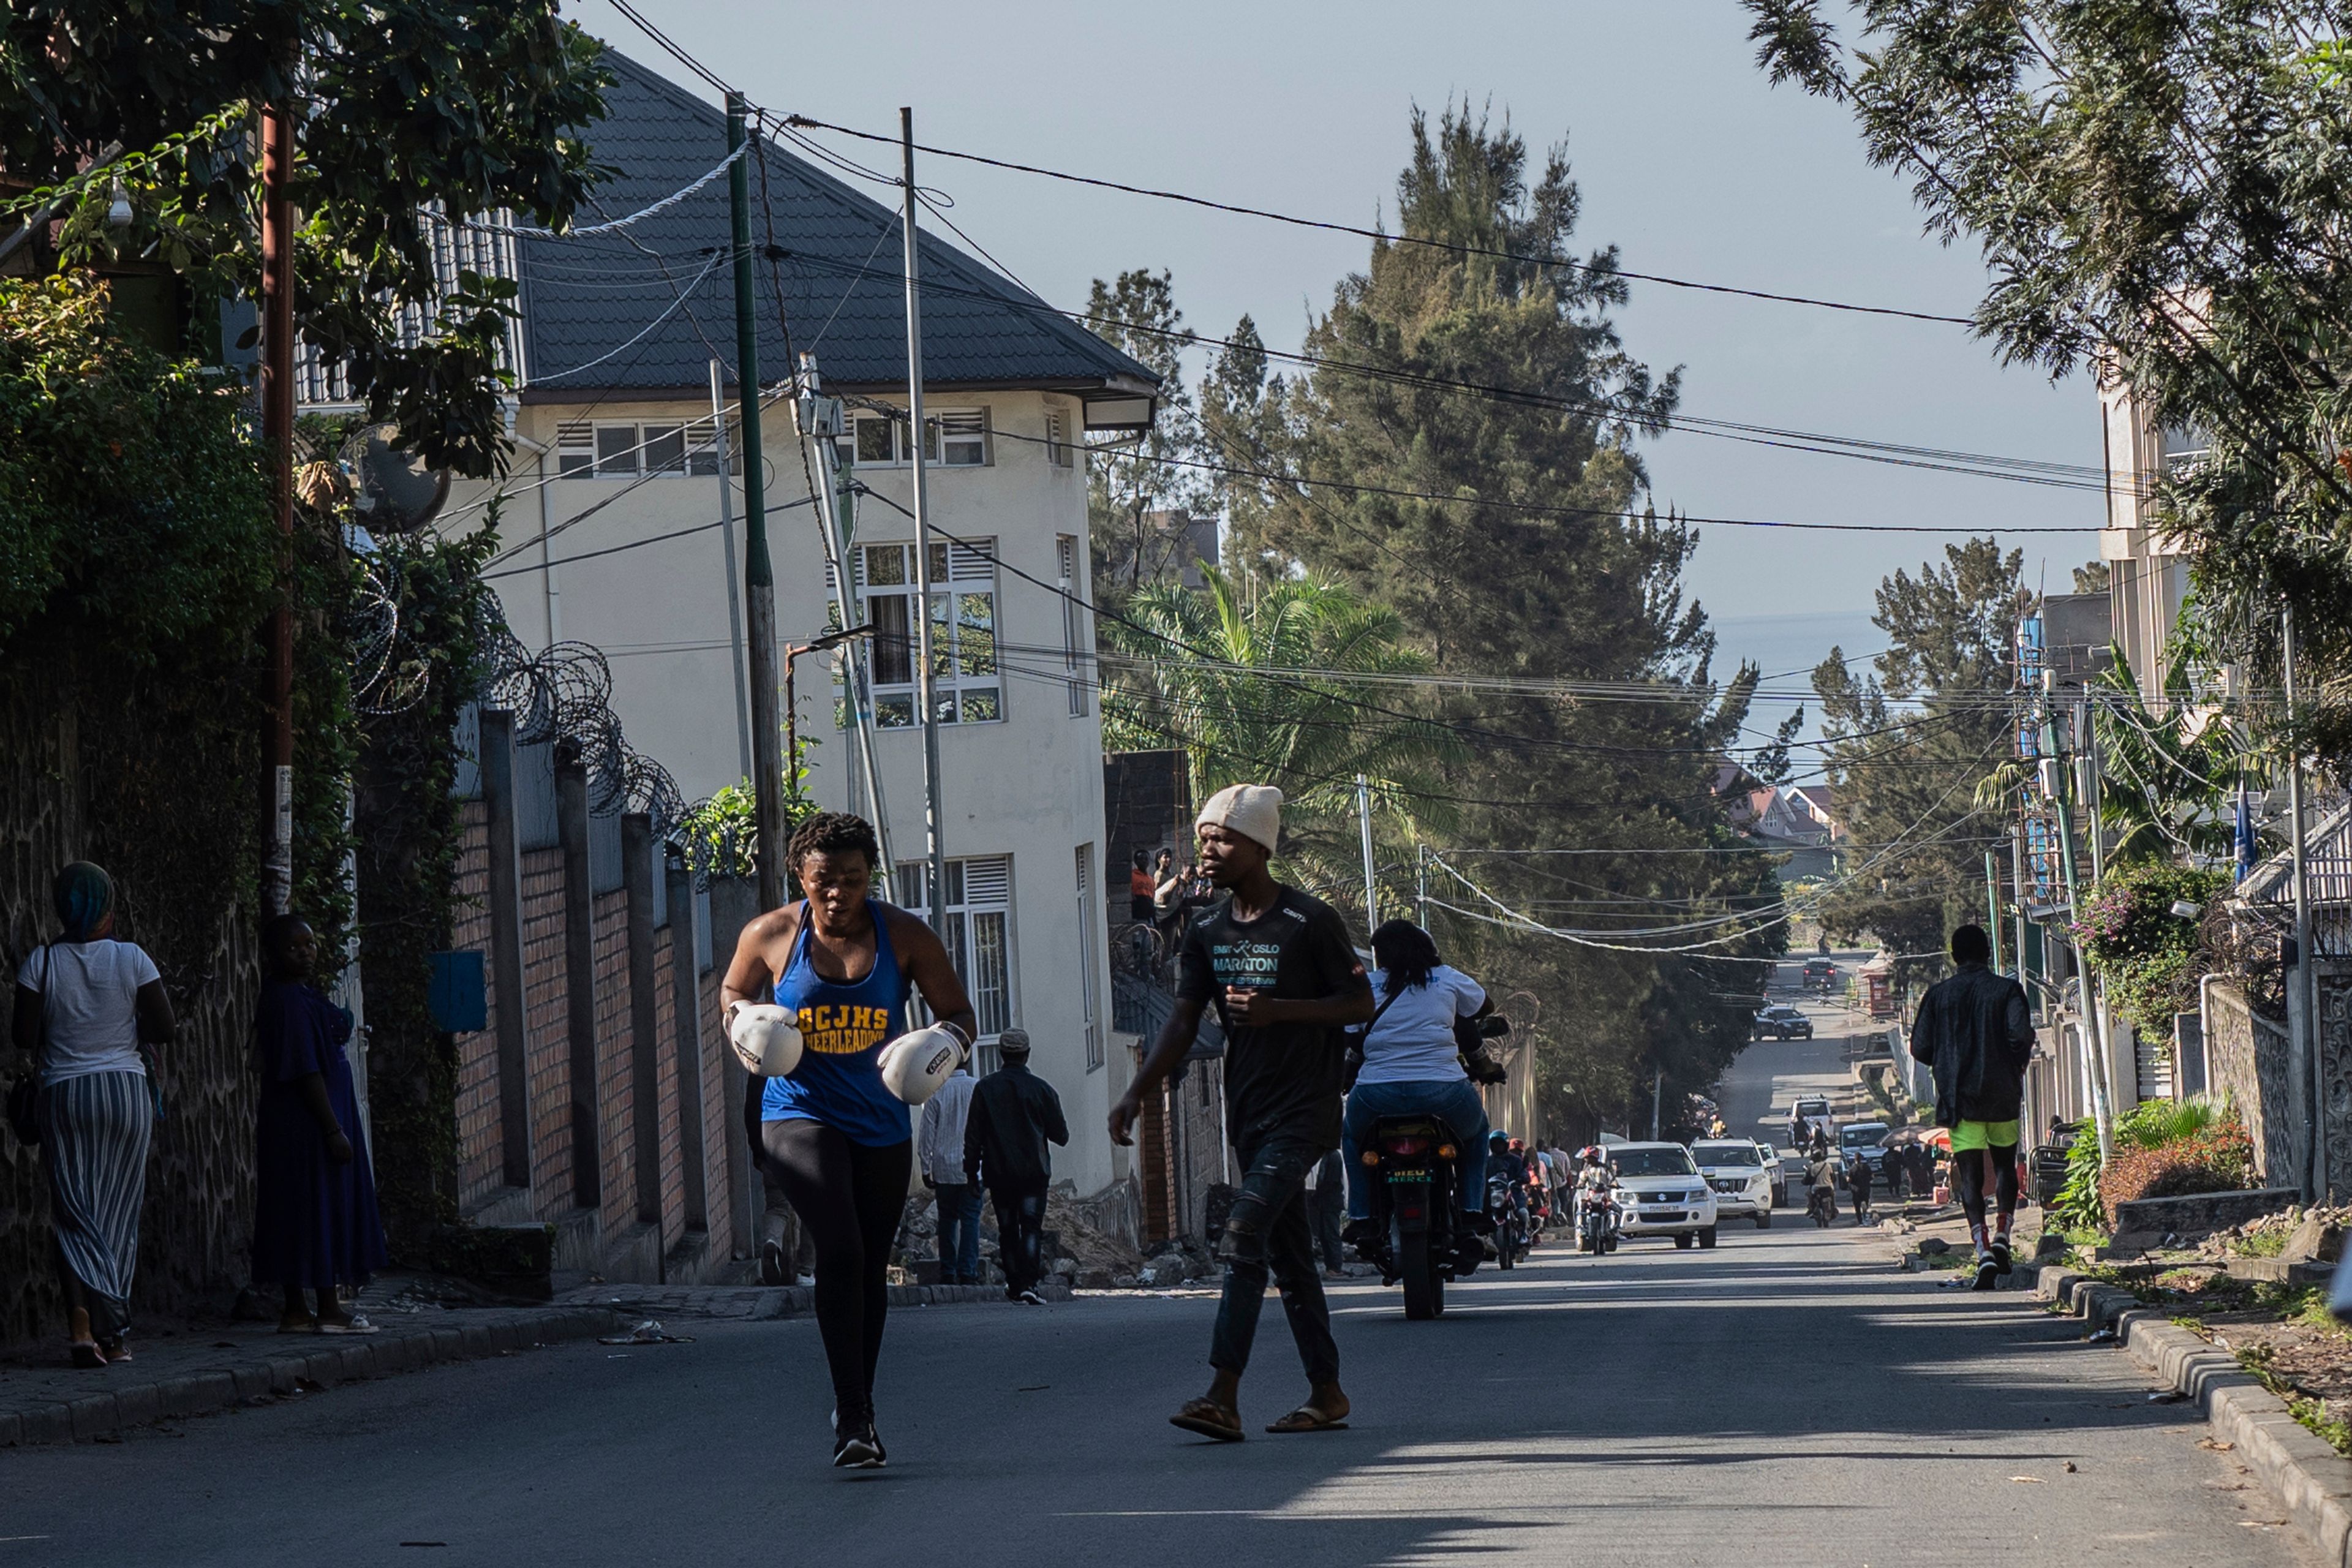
2153,1123
2167,769
2149,958
1129,481
2078,1206
1909,775
408,839
408,107
719,833
2159,189
1542,566
129,499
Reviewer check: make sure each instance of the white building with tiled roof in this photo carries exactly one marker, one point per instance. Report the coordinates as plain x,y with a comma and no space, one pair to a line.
611,533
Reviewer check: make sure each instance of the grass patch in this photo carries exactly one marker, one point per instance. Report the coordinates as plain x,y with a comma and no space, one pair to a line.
2311,1413
2267,1243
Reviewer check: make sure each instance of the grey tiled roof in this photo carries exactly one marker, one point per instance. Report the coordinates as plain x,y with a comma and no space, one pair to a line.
840,275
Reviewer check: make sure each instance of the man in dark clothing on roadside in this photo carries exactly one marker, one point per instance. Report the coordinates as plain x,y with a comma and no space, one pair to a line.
1015,1114
1975,1032
1284,979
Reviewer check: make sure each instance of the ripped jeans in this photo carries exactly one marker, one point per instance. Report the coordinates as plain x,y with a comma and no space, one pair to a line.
1267,1233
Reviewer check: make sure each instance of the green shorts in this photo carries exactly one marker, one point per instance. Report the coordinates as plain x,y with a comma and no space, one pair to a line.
1984,1135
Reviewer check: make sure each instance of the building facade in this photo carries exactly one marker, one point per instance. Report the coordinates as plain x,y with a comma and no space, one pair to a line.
621,525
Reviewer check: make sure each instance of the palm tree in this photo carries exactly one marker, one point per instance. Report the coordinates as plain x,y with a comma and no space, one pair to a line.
1295,688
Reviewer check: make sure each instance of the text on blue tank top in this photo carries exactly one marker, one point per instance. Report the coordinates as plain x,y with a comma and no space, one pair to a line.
844,1026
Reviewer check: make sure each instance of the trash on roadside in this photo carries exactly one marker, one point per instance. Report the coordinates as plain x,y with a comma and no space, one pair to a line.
649,1332
2099,1337
2166,1396
2027,1480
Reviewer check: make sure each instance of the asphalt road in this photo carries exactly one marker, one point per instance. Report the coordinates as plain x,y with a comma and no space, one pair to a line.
1786,1398
1764,1080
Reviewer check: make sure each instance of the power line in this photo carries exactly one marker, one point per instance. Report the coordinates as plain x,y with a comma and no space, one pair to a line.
1452,247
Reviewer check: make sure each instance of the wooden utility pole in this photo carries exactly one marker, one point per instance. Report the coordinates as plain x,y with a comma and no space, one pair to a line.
278,437
758,576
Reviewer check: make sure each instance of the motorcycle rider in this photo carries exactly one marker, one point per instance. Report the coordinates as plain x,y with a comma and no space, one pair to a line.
1820,1179
1593,1182
1504,1163
1413,1065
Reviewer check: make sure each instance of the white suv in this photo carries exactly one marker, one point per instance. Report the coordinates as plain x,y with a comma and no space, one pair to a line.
1661,1193
1741,1174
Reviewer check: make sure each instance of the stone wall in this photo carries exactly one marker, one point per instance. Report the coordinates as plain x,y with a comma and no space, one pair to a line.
2246,1059
96,774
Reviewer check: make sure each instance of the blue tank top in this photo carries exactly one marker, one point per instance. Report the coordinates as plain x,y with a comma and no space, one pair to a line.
843,1030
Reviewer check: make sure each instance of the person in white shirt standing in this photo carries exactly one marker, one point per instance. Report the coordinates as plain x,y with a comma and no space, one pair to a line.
86,1005
940,1147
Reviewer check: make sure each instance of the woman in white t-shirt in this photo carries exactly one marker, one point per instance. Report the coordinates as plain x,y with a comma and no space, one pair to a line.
1413,1065
85,1006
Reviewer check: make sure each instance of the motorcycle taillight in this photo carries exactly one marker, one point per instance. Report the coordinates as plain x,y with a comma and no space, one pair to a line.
1405,1145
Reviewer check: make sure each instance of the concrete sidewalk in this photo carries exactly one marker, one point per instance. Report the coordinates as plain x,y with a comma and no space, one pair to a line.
201,1368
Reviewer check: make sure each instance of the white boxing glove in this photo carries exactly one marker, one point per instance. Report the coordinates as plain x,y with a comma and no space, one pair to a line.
765,1038
914,1065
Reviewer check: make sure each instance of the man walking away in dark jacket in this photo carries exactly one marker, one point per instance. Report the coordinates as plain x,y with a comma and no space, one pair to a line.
1015,1114
1975,1032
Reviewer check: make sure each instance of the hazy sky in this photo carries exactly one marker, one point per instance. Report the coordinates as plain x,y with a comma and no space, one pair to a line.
1689,161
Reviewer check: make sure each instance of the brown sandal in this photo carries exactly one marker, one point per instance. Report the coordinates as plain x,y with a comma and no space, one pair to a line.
1307,1418
1210,1419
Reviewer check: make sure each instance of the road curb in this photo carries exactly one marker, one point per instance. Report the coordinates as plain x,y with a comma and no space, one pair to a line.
2311,1480
766,1303
106,1411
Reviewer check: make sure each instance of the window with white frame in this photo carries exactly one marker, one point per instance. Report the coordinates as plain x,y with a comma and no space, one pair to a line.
1065,561
952,438
608,449
977,931
966,688
1087,952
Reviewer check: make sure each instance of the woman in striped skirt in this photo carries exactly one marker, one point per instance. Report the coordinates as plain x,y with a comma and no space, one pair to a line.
85,1006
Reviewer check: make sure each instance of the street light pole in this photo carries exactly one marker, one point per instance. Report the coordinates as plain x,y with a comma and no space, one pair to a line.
925,701
734,586
1364,826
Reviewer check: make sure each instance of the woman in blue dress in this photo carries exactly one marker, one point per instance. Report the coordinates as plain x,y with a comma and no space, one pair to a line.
837,1141
315,1223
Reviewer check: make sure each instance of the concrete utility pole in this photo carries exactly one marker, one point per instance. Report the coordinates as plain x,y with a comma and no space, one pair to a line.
2306,992
927,715
759,575
1364,825
2102,1115
1421,886
734,588
277,435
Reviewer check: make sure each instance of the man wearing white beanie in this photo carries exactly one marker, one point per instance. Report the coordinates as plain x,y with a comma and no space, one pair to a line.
1284,977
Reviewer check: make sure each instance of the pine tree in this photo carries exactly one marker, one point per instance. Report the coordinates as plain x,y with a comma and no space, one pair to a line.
1522,561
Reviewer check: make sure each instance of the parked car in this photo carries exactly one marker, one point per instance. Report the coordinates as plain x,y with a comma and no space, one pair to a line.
1864,1141
1782,1022
1661,1193
1740,1171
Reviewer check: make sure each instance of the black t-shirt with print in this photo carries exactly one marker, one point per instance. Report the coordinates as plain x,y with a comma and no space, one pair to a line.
1279,1076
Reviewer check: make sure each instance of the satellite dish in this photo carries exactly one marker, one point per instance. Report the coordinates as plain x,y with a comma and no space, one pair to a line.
393,491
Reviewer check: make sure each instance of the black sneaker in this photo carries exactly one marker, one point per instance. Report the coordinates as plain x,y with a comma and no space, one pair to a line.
1468,1253
1987,1272
2002,1263
859,1449
772,1263
1361,1233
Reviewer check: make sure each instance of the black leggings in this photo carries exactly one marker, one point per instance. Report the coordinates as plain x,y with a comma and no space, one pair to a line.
1969,1175
850,1198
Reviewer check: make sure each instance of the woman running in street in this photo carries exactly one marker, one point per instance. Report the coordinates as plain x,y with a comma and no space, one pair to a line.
842,963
